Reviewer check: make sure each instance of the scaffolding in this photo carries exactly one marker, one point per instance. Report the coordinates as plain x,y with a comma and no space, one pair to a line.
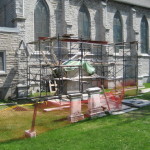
115,65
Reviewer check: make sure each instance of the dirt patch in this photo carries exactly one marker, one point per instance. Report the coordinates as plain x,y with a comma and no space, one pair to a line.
18,108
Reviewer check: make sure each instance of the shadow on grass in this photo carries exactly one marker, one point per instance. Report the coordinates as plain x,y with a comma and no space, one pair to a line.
145,96
145,111
13,140
134,115
62,119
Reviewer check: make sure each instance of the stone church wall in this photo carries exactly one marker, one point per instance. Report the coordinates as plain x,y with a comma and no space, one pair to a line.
64,19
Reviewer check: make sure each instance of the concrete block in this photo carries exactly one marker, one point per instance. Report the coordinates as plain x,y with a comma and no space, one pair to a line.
30,134
22,90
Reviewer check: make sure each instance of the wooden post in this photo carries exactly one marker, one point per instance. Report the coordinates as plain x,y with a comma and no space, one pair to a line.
32,133
34,117
106,98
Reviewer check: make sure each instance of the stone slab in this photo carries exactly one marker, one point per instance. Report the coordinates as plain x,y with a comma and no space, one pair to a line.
97,89
75,95
136,102
58,102
123,110
84,96
144,90
56,108
7,104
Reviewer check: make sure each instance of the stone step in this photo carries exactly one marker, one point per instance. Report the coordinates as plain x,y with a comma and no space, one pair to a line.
144,90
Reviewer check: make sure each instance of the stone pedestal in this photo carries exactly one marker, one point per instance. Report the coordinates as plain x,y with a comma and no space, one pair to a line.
94,104
22,90
75,112
30,134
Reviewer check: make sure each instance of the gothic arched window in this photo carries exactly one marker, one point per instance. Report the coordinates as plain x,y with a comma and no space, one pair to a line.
41,19
84,26
144,35
117,28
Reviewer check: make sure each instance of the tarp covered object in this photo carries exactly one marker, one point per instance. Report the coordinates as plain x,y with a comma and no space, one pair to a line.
85,65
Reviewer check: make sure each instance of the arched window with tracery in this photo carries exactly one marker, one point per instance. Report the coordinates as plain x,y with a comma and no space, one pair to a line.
84,23
41,19
144,35
117,29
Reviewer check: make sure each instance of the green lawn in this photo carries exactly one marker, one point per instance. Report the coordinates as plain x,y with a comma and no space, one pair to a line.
14,123
130,131
144,96
147,85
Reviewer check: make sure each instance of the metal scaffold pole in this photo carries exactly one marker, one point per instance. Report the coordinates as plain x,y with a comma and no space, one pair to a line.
105,60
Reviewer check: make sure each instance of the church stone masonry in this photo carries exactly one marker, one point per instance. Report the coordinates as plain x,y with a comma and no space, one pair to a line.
17,23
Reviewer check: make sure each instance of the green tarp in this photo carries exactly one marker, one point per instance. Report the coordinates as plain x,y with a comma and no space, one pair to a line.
85,65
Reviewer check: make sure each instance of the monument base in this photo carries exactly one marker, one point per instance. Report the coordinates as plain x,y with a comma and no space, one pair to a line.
76,118
98,112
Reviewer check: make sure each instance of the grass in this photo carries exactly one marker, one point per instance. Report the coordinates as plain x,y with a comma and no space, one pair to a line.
147,85
3,107
14,123
42,94
131,93
124,132
145,96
